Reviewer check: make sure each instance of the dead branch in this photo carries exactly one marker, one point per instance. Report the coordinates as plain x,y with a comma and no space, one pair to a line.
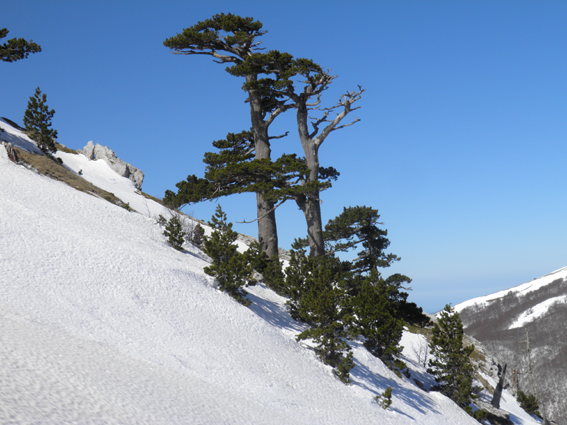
269,212
281,136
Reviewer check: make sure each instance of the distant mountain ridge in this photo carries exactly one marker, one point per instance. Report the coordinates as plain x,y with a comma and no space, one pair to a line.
531,315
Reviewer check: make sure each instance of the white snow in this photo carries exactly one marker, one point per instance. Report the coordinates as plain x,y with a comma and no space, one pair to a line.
17,137
102,322
537,311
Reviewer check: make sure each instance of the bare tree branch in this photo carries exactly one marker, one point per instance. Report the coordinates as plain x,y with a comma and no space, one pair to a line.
267,213
281,136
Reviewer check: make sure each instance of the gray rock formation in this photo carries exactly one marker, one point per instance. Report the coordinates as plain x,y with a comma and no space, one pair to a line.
494,415
92,151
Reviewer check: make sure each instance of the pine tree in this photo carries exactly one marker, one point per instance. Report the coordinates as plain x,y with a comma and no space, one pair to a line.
344,300
270,85
317,287
174,233
528,402
16,48
37,121
384,400
197,235
376,319
232,39
230,267
451,365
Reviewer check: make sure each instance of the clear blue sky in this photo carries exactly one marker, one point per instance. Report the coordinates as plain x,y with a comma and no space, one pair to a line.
462,139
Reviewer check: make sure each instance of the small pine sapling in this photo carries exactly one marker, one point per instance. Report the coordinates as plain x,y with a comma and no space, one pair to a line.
161,220
230,267
384,400
197,235
174,233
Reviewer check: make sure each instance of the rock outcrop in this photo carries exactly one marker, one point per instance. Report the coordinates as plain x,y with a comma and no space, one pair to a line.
92,151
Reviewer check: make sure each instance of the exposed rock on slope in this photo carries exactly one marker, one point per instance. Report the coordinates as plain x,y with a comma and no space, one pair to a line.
92,151
533,316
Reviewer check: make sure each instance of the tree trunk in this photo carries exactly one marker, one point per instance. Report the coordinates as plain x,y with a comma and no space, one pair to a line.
312,210
267,228
311,204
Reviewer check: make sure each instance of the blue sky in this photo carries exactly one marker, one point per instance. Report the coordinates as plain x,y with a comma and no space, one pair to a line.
461,144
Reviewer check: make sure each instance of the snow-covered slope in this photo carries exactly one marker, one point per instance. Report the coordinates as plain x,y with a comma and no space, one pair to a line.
102,322
520,290
531,315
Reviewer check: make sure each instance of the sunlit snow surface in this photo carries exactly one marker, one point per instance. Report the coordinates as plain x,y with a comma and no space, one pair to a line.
102,322
537,311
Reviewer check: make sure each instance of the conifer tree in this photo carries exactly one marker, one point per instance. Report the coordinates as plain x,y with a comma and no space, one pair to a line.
197,235
357,228
232,39
16,48
376,318
317,288
37,121
174,233
230,267
269,83
342,300
451,365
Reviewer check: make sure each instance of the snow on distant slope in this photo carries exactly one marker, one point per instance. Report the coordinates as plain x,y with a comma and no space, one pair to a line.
102,322
537,311
522,289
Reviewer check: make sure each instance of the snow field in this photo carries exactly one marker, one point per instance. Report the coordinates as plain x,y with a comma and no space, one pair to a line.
102,322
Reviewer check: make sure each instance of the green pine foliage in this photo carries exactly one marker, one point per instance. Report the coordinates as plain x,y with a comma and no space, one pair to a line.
174,233
16,48
528,402
317,294
269,267
37,121
197,235
451,365
376,318
348,300
233,169
384,400
230,267
357,227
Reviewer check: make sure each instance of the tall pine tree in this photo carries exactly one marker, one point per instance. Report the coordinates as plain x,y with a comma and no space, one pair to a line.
37,121
231,39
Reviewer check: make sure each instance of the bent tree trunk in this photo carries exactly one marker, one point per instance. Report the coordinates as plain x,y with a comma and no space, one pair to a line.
309,203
